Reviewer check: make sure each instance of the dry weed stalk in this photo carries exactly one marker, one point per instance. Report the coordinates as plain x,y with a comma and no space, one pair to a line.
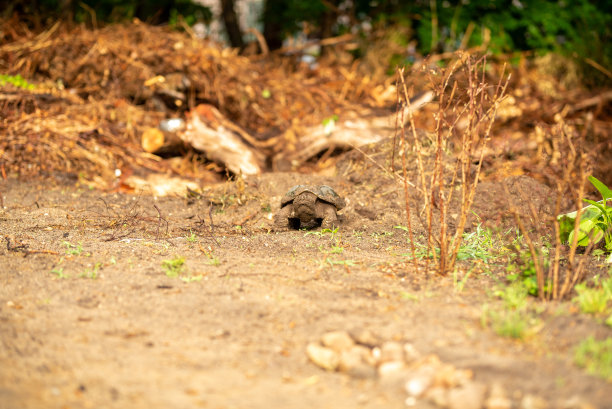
474,108
572,171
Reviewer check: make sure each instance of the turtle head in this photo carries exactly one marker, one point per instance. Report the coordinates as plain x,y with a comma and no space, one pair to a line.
304,206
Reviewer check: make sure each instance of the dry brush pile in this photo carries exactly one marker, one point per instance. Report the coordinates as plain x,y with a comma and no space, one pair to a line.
96,91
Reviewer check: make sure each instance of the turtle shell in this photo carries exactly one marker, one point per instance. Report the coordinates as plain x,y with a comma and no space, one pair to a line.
323,192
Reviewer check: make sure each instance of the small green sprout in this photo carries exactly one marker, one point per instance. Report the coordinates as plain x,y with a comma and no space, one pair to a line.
174,267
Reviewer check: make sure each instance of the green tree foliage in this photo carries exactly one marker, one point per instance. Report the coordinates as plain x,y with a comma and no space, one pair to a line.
578,28
162,11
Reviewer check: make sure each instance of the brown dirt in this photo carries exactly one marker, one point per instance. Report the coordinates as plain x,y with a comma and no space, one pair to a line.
134,337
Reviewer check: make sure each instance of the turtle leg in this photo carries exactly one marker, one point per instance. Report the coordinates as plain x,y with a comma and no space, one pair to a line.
327,212
281,220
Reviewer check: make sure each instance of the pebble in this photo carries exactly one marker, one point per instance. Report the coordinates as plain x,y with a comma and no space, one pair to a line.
338,340
498,398
411,353
576,402
418,383
354,362
393,373
449,377
470,396
533,402
391,351
366,337
438,396
323,357
390,368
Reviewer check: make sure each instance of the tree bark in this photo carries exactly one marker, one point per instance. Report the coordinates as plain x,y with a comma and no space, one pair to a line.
232,27
273,27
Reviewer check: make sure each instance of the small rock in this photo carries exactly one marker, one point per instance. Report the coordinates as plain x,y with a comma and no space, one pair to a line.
438,395
355,362
498,398
323,357
365,337
533,402
338,340
470,396
390,368
393,373
376,354
450,377
391,351
353,357
576,402
419,382
410,353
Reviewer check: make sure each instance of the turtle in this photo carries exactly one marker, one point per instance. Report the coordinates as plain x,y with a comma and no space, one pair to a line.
305,206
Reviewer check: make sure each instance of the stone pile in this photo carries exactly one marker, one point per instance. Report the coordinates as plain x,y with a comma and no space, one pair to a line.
399,366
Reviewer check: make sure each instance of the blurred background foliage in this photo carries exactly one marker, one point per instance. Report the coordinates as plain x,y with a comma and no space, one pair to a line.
577,29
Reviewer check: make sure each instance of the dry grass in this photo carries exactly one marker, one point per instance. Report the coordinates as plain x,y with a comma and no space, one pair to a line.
466,101
558,269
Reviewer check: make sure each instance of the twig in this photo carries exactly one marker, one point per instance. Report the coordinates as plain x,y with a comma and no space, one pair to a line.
246,218
23,248
420,166
404,150
160,218
371,159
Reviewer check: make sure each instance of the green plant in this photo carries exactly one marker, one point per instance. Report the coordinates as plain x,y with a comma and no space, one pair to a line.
334,249
59,271
594,299
405,295
192,279
329,124
477,245
523,269
591,300
16,80
332,262
595,356
334,244
595,221
174,267
323,232
192,238
75,250
514,295
512,324
460,284
91,273
214,261
357,234
515,319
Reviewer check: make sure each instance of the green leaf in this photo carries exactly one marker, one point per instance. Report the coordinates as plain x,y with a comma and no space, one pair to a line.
599,205
606,193
566,223
587,230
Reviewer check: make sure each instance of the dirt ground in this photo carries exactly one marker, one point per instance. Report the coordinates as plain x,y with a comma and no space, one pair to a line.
90,318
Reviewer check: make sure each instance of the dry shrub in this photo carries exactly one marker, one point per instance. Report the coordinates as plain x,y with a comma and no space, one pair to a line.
466,101
94,89
559,268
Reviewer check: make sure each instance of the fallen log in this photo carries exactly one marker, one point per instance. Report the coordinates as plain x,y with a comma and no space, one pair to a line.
207,130
349,133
